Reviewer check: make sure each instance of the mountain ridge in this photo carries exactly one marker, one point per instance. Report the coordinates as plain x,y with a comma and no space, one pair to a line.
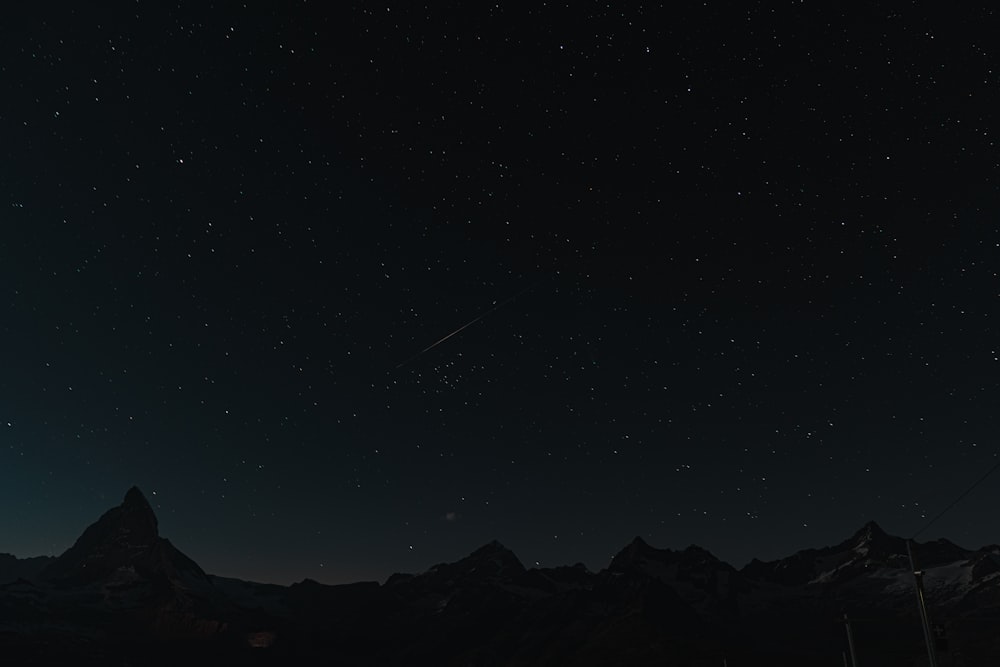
123,584
136,517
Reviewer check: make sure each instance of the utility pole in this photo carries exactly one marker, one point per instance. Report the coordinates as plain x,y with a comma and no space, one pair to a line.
918,578
850,641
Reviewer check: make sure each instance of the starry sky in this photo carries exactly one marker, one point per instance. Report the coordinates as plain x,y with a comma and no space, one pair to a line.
730,268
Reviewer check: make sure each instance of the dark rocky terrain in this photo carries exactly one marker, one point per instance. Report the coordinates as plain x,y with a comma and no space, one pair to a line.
123,595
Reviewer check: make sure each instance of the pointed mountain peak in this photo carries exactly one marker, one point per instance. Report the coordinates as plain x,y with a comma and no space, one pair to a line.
493,559
868,534
135,498
112,541
871,529
636,550
136,517
493,546
635,547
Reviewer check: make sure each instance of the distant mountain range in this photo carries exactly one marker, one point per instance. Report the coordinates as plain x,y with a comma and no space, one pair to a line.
124,595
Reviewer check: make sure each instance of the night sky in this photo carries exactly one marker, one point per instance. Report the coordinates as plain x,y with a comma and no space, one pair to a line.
735,269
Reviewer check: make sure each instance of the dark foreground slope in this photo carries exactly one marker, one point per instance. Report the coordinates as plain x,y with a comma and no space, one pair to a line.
124,595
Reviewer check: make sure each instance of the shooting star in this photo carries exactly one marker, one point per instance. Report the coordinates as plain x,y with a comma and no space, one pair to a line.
464,326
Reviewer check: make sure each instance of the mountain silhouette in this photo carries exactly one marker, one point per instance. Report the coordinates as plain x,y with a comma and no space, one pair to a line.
123,593
125,537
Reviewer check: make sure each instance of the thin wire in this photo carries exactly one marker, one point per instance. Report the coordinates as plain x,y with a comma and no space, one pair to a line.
959,499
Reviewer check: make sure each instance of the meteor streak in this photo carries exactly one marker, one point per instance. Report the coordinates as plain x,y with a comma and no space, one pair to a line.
464,326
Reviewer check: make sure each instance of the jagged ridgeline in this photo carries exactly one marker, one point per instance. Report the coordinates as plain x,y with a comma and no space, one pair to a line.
122,594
